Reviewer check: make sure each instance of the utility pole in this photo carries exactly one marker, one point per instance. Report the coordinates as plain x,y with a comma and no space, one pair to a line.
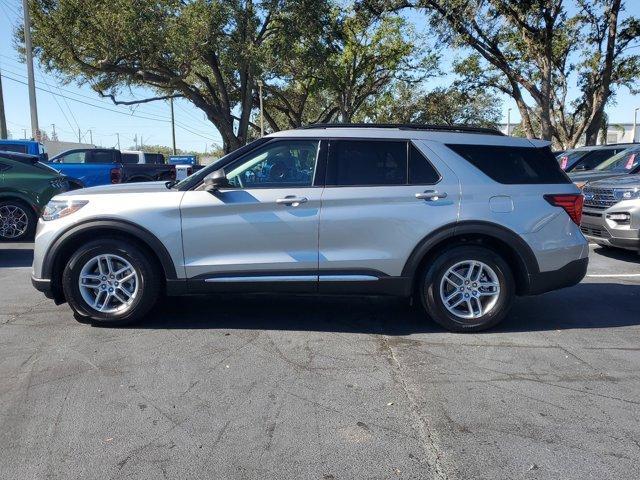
90,137
79,136
173,126
635,123
3,119
118,137
260,83
54,136
141,142
508,122
31,79
24,132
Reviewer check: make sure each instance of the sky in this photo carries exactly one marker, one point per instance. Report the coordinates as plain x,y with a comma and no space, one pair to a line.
71,108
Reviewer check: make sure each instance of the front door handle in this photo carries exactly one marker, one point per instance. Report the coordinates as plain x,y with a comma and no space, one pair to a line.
430,195
291,200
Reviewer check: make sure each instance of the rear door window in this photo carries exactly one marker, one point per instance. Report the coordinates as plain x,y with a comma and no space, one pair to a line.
513,165
129,158
100,157
367,162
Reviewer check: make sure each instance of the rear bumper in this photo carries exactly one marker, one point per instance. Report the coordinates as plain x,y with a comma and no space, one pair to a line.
571,274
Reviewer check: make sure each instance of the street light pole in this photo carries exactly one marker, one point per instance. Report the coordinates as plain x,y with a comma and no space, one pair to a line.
260,83
173,126
31,79
635,123
508,122
3,119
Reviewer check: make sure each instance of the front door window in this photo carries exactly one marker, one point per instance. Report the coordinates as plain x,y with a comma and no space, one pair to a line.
277,165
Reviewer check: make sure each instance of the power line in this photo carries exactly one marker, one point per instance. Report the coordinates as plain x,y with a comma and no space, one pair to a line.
118,111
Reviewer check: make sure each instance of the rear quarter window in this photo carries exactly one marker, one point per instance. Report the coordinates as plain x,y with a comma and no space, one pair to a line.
514,165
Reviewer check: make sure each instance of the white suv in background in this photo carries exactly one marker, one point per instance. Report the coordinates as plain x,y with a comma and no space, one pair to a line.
461,218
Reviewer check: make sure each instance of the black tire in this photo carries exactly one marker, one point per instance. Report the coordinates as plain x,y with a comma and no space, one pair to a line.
432,275
148,278
30,214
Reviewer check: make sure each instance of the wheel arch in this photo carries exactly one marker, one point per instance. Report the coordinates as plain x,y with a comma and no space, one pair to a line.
503,241
63,247
4,196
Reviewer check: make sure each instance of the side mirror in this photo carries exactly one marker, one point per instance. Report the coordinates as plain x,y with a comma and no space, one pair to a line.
216,181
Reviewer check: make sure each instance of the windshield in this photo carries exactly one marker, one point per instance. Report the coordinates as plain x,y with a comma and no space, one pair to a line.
567,159
623,162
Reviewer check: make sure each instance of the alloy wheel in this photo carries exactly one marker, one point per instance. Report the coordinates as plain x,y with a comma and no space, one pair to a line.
469,289
14,221
108,283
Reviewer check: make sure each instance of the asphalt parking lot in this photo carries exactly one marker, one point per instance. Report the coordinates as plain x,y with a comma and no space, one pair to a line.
328,388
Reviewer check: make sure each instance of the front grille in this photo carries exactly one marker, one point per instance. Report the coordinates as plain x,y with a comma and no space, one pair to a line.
599,198
594,231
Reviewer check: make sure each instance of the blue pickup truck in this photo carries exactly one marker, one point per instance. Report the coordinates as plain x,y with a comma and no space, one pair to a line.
89,167
30,147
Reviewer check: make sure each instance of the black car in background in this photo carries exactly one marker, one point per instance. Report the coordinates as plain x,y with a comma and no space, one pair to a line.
587,158
623,163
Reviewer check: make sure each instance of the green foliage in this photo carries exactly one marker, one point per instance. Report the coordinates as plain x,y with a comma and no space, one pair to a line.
534,50
209,51
448,106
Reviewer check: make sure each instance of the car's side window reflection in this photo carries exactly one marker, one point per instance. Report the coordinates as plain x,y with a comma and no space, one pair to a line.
283,164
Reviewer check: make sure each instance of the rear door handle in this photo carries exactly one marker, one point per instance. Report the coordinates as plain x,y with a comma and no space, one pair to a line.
430,195
291,200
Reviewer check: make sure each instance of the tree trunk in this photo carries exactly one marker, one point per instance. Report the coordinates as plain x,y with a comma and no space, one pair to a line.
594,127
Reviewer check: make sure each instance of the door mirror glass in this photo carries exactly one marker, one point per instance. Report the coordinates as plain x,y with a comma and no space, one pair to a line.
216,181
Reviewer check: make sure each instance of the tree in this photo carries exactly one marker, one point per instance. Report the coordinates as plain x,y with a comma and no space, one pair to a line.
362,57
447,106
210,52
535,48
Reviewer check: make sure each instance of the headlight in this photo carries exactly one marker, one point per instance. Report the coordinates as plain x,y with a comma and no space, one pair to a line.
626,193
61,208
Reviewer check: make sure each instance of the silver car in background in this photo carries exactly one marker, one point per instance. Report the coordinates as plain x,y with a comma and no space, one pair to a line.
460,218
611,216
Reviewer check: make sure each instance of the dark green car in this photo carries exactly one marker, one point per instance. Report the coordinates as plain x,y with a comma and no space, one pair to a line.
26,186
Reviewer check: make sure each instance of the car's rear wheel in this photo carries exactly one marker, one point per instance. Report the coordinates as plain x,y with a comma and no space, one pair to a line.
467,289
111,282
17,221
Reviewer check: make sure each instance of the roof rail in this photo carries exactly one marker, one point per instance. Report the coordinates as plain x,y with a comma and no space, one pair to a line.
410,126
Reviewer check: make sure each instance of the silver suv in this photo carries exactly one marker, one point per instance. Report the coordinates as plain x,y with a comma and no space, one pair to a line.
612,212
463,219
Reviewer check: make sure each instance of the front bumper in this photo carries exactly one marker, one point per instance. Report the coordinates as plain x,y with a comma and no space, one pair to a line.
42,285
600,229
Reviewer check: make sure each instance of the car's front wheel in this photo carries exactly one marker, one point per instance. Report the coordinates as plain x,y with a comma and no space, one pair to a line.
111,282
467,289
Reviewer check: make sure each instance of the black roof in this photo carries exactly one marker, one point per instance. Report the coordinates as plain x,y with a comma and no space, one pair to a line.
19,157
411,126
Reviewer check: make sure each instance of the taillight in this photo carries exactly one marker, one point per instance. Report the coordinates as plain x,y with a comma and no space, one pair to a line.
116,175
189,171
570,202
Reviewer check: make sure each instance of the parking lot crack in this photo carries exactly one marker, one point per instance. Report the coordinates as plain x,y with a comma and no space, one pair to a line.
434,455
